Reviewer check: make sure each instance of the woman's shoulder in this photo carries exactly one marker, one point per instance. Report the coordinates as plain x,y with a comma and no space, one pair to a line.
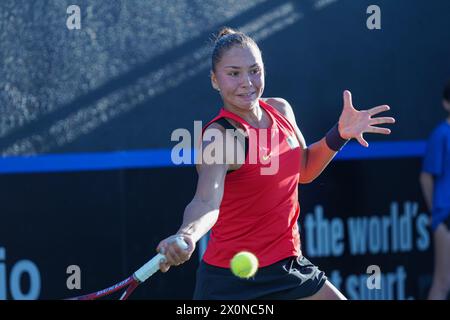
282,106
224,124
278,103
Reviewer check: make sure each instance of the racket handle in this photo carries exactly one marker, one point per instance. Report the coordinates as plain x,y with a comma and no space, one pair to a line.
152,266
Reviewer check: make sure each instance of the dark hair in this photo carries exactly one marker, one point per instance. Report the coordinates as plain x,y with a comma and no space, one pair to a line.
446,92
225,40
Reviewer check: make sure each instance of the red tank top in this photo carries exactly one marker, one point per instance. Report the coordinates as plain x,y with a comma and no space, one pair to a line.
259,212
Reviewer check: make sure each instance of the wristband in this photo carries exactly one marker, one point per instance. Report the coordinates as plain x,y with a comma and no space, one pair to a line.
334,140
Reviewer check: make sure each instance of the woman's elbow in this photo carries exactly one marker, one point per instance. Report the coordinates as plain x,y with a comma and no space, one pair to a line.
305,179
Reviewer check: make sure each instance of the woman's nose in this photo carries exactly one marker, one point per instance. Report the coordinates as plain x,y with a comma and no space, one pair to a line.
246,81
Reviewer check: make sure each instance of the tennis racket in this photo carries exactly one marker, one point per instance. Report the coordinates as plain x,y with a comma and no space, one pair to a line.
133,281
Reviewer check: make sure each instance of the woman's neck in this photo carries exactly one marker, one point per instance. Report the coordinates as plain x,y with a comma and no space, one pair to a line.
254,116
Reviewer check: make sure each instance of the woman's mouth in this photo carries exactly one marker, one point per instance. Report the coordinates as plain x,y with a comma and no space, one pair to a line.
247,96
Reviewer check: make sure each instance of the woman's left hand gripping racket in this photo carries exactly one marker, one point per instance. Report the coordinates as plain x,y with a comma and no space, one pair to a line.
130,283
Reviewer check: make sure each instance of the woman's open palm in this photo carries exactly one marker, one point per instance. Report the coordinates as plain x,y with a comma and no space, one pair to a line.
354,123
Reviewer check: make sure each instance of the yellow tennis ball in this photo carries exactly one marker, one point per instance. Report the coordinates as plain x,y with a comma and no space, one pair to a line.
244,264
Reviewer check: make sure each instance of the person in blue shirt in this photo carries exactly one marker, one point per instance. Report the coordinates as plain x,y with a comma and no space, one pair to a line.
435,183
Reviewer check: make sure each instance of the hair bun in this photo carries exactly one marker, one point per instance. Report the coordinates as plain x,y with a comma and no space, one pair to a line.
225,31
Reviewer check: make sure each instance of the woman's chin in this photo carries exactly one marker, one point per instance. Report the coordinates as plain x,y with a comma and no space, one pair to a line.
247,104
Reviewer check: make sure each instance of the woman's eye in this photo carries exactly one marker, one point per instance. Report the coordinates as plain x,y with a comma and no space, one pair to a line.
254,71
234,74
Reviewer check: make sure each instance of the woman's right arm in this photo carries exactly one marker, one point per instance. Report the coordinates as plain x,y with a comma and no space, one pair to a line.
201,213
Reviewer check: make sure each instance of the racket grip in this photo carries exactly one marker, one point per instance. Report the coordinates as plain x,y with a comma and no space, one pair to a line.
152,266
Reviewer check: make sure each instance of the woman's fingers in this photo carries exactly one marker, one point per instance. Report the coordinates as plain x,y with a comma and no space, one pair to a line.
174,254
347,96
381,120
373,129
173,258
362,141
378,109
164,266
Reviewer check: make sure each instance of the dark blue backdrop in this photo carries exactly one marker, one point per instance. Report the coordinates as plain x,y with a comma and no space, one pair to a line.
137,70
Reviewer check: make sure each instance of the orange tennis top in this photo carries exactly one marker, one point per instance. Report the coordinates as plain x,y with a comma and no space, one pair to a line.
259,208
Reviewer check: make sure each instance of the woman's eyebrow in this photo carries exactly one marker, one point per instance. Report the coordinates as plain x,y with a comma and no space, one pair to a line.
236,67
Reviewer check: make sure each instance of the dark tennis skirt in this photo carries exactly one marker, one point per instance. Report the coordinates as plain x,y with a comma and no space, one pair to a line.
288,279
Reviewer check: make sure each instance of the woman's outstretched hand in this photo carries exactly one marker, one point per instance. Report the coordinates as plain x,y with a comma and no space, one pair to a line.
354,123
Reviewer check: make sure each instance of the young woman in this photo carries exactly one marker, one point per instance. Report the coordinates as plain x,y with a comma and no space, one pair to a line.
435,182
247,208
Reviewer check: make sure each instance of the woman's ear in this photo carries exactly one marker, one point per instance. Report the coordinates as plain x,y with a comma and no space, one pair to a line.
214,81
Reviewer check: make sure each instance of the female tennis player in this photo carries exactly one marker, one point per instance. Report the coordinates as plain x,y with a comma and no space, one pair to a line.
247,209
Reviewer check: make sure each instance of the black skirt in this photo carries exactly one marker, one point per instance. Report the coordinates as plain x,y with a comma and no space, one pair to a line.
288,279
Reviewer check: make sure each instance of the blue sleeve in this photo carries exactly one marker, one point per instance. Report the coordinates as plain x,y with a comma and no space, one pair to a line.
434,157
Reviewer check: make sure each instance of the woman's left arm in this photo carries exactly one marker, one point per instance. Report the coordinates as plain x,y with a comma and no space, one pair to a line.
352,124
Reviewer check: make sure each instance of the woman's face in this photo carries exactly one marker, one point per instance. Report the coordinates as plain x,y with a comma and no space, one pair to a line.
239,76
